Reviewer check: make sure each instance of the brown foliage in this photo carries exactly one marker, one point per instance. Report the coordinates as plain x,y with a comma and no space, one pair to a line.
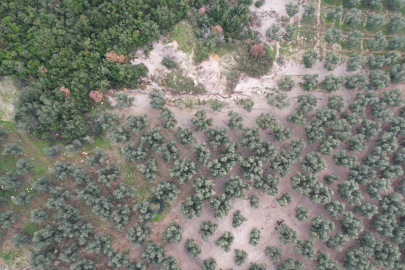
201,11
65,91
113,57
95,95
257,49
217,28
42,70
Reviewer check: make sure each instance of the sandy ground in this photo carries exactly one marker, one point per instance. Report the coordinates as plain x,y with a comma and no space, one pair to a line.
8,93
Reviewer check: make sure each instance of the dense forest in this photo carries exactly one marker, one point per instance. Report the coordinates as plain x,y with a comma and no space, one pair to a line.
48,45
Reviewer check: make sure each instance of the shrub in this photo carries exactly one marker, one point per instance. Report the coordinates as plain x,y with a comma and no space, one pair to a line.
201,122
331,178
203,153
396,23
303,183
279,100
350,191
351,225
120,216
307,102
272,32
332,59
216,105
254,202
333,83
123,100
185,136
353,39
169,63
353,17
238,219
21,239
10,181
378,79
58,198
374,20
183,170
291,32
209,264
225,241
39,215
397,73
235,122
52,151
286,83
367,210
335,13
23,198
204,188
310,11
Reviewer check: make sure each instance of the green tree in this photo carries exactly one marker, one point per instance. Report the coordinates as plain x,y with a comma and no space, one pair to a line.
217,136
39,215
397,73
170,118
209,264
122,191
309,58
225,241
287,235
274,253
21,239
325,262
301,213
320,193
238,219
10,181
350,191
353,17
208,229
355,259
351,225
332,59
25,166
310,11
315,132
216,105
173,233
12,149
254,202
80,176
203,153
291,9
98,157
279,100
268,184
58,198
108,174
166,191
183,170
396,23
313,162
331,178
333,35
157,100
169,151
235,122
303,183
90,193
335,13
351,3
70,253
396,43
285,198
192,248
272,31
137,122
42,185
149,169
185,136
222,205
44,260
247,104
154,254
52,151
335,208
153,138
108,120
320,228
291,32
100,244
297,117
378,42
120,216
367,210
240,257
123,100
307,102
192,207
146,210
201,122
337,241
353,39
374,20
23,198
306,249
254,237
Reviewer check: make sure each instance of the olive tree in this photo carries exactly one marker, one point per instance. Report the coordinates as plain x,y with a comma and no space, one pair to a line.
134,154
286,83
170,117
108,120
12,149
203,153
58,198
287,235
192,207
98,157
149,169
21,239
335,13
240,257
208,229
378,42
218,136
209,264
173,233
378,79
337,241
10,181
375,20
353,40
285,198
309,58
123,100
268,184
166,191
367,210
204,188
335,208
157,100
291,9
272,31
279,100
306,249
356,81
201,122
146,210
39,215
25,166
23,198
254,237
216,105
353,17
351,225
192,248
225,241
221,205
397,73
396,23
183,170
333,35
310,11
52,151
320,228
108,174
154,254
350,191
307,102
332,59
291,32
301,213
274,253
235,122
137,122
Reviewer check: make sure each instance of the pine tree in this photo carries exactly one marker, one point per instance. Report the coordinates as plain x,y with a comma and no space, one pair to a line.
351,225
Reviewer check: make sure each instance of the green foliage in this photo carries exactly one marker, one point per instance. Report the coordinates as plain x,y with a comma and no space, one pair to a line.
80,176
108,174
108,120
396,42
286,83
353,17
222,205
297,117
98,157
331,178
314,131
256,266
397,73
204,188
342,159
240,257
252,168
185,136
157,100
351,225
254,202
335,208
44,260
209,264
10,181
327,146
203,153
265,150
58,198
166,191
287,235
350,191
120,135
208,229
351,3
355,259
310,11
333,35
303,183
123,100
100,244
90,193
201,122
267,121
21,239
221,166
217,136
282,163
313,162
217,105
268,184
320,193
183,170
375,20
117,259
25,166
23,198
154,254
378,42
173,233
337,241
332,59
272,31
235,122
225,241
39,215
68,212
132,154
369,129
146,210
306,249
357,80
170,118
46,236
335,13
353,40
396,23
291,9
279,100
367,210
169,63
251,137
238,219
137,122
375,187
291,32
320,228
357,143
192,207
384,224
378,79
70,253
387,141
307,102
285,198
149,169
52,151
120,216
333,83
12,149
247,104
254,237
170,151
301,213
274,253
309,58
192,248
3,134
392,204
153,138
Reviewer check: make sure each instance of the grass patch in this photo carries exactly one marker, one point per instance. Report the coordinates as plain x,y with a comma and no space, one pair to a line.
183,34
181,84
10,256
8,93
99,142
162,215
31,228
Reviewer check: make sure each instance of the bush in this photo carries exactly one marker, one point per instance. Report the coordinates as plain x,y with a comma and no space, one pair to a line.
203,188
203,153
301,213
342,159
350,191
201,122
12,149
309,58
258,4
286,83
192,248
333,35
225,241
247,104
157,100
251,137
98,157
240,257
378,79
396,43
320,228
192,207
254,237
313,162
285,198
268,184
331,178
274,253
170,151
146,210
52,151
320,193
272,32
216,105
154,254
265,150
235,122
217,136
123,100
291,9
108,120
397,73
287,235
303,183
221,166
297,117
23,198
149,169
315,132
378,42
169,63
173,233
367,210
70,253
333,83
185,136
100,244
120,216
58,198
238,219
137,122
25,166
